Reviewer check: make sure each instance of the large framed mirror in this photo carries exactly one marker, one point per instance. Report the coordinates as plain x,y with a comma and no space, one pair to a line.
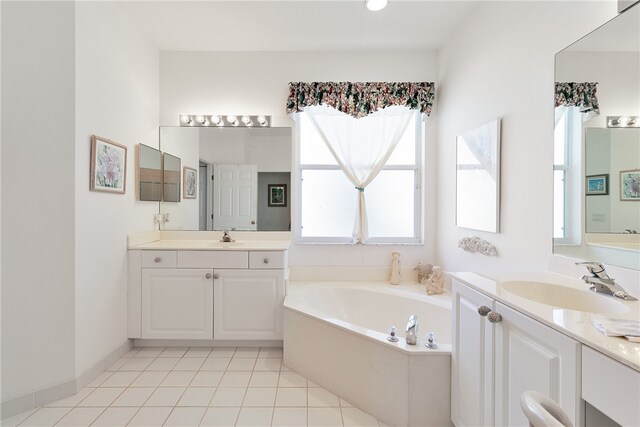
238,168
593,219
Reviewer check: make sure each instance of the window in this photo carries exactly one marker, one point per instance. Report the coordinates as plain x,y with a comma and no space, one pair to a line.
327,201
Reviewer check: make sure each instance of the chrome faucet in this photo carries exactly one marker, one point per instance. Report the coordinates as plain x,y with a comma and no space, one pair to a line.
226,238
411,334
601,282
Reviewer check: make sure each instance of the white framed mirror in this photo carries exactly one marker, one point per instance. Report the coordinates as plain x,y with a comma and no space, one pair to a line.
478,178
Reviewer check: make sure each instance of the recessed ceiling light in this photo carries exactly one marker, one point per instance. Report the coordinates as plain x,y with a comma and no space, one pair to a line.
375,5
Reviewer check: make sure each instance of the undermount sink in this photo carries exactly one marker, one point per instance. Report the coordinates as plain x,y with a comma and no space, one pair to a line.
564,297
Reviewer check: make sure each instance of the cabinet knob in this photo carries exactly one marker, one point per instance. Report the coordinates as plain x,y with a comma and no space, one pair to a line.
253,223
266,260
208,275
494,317
483,310
216,276
157,259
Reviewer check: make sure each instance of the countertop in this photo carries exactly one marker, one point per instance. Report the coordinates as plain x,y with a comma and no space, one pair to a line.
573,323
208,245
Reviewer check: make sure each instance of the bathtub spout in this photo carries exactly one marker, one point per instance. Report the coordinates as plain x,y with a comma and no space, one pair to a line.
412,330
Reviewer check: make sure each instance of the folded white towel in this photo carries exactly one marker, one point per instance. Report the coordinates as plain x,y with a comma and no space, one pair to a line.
613,327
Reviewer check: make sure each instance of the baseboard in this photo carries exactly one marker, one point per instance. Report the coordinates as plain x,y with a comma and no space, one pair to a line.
206,343
47,395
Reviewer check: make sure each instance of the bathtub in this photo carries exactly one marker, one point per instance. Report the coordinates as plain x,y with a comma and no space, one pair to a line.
335,334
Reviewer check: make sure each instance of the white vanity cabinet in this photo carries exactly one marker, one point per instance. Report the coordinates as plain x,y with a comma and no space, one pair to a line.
206,294
498,353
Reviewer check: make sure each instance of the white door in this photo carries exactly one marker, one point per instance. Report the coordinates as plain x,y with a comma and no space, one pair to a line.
235,198
248,304
532,356
177,303
471,359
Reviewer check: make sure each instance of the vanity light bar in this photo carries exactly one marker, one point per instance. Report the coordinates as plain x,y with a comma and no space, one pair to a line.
199,120
623,121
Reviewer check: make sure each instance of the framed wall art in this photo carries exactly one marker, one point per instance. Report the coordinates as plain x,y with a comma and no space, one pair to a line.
630,185
189,182
277,195
597,185
108,166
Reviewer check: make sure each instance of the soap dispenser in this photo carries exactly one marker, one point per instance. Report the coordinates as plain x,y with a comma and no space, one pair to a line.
395,268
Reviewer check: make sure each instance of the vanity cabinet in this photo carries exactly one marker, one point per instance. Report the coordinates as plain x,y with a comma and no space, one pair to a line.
498,353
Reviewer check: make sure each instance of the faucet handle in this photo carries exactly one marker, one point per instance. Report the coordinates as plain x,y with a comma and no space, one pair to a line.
595,268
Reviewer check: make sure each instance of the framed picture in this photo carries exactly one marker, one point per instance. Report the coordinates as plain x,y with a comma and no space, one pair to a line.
108,166
277,195
630,185
189,182
597,185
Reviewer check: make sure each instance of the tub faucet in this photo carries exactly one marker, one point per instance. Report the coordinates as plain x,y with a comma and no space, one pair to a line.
601,282
226,238
412,330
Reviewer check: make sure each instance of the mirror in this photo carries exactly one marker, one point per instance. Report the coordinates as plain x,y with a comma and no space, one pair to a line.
244,178
170,178
593,219
478,178
149,173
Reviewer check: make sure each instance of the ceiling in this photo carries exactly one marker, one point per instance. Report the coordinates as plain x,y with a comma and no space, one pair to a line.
302,25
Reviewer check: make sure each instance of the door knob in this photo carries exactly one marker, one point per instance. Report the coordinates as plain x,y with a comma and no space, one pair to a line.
157,259
483,310
494,317
208,275
216,276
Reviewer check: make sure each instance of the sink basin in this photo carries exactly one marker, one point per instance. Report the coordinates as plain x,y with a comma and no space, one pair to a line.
564,297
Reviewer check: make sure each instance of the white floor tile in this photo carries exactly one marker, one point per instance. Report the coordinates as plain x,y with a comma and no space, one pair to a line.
121,379
17,419
257,417
207,379
264,379
289,417
149,351
311,384
324,417
174,352
220,417
260,397
268,364
345,403
198,352
163,364
178,379
102,396
247,352
242,364
270,352
291,379
150,379
291,397
228,397
112,417
197,396
100,379
135,396
80,417
147,417
45,417
235,379
322,397
223,352
185,417
354,417
215,364
71,401
189,364
132,352
165,396
118,364
136,364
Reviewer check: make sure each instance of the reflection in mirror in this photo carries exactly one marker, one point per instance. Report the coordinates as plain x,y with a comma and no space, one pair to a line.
478,178
587,223
171,178
236,167
149,173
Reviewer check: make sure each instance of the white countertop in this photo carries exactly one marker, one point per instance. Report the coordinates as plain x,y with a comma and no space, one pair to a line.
208,245
576,324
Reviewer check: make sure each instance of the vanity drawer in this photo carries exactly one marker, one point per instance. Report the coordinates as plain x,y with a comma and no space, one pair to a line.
213,259
159,259
266,259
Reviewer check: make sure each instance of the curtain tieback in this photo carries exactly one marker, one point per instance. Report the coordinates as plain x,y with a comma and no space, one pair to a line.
360,189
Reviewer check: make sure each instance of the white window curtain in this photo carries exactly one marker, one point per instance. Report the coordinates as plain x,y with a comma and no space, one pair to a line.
361,147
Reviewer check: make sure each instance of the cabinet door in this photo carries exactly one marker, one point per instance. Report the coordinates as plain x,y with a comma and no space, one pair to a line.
472,359
177,303
532,356
248,304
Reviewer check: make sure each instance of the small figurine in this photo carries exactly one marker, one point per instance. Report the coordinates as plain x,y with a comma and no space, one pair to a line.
423,272
435,282
395,268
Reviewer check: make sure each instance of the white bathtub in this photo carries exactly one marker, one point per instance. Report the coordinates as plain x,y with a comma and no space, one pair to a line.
335,334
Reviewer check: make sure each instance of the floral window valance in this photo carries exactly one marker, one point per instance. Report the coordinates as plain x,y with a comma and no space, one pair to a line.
581,95
360,99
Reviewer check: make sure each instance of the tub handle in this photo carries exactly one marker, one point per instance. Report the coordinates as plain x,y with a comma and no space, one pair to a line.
483,310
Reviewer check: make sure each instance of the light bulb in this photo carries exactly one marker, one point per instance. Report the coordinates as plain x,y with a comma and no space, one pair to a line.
185,119
233,120
246,120
262,120
216,120
375,5
623,120
200,119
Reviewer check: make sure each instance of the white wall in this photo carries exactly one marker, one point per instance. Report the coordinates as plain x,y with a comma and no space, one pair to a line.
117,98
257,83
501,63
37,196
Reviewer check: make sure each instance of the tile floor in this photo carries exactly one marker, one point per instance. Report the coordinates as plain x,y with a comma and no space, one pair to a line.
198,386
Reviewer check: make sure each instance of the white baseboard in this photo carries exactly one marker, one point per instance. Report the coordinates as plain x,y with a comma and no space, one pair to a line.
206,343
